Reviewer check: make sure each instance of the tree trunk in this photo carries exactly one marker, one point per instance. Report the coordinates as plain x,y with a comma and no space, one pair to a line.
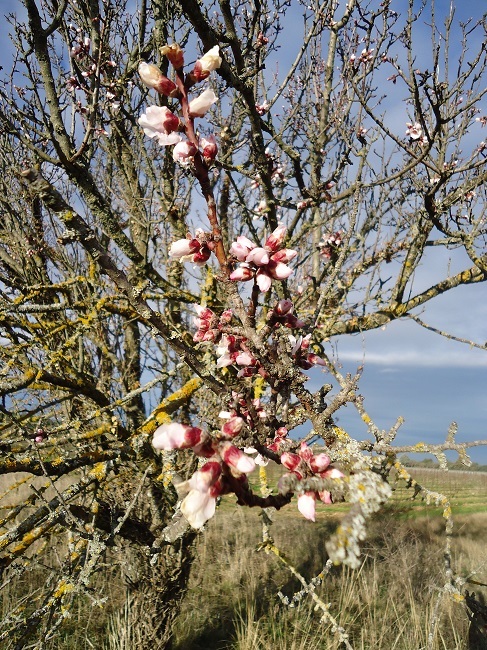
154,594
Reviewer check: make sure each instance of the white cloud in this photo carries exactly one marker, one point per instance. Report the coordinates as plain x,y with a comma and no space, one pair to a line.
393,358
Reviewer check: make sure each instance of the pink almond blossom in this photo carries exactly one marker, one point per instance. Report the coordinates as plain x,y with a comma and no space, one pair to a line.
176,436
208,147
200,503
184,152
414,131
210,61
199,106
192,249
307,505
158,122
152,77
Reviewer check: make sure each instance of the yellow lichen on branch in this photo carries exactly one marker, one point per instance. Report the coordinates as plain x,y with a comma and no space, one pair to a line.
161,414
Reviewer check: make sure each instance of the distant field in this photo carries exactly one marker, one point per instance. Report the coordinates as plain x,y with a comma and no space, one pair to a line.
466,490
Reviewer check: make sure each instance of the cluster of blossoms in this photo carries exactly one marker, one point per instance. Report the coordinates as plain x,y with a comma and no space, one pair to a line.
304,464
263,264
81,47
208,324
167,128
230,349
330,244
365,56
304,358
195,249
415,133
225,464
89,67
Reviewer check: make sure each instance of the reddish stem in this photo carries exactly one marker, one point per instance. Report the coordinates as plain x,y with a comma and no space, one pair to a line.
201,174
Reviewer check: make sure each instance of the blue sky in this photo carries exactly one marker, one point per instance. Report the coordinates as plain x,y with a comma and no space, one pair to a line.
409,371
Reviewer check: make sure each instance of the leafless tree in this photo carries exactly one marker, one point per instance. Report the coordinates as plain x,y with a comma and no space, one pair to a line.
371,156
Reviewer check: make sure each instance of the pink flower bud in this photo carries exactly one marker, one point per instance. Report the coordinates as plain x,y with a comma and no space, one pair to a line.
278,271
305,452
233,426
332,472
208,62
206,476
152,77
283,307
197,507
325,496
315,360
285,255
184,152
276,238
204,313
290,461
208,147
258,256
242,274
319,463
226,317
236,458
307,505
176,436
199,106
241,248
263,280
175,55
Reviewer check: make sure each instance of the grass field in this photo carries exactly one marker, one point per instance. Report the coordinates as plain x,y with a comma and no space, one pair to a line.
232,602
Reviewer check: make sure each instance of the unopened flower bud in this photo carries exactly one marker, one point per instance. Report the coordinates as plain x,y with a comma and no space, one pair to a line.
175,55
209,148
290,461
236,458
176,436
184,152
283,307
200,105
208,62
232,426
152,77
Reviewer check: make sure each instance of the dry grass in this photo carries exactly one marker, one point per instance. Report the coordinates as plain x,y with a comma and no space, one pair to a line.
232,601
386,604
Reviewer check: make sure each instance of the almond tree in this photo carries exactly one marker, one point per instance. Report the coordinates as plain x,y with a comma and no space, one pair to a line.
191,208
